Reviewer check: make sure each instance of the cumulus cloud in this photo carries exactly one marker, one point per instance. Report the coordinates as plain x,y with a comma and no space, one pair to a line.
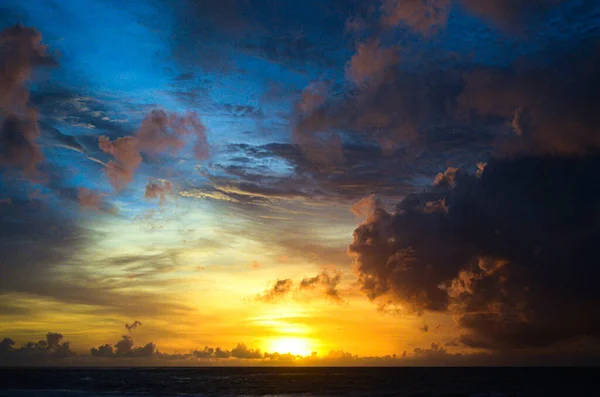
313,97
396,108
324,147
327,280
159,190
365,206
124,348
279,290
509,253
242,351
21,52
127,158
159,133
43,351
370,63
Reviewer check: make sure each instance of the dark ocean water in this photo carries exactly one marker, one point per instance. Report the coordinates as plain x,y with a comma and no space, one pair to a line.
295,381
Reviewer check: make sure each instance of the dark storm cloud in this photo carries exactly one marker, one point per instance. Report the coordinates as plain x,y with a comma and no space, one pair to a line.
411,110
34,238
509,13
550,101
366,168
429,16
282,33
399,97
21,52
510,252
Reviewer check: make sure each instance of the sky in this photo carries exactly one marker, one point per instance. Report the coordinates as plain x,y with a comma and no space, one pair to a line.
342,179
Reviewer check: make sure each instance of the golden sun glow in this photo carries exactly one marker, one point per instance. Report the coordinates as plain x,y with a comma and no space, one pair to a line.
296,346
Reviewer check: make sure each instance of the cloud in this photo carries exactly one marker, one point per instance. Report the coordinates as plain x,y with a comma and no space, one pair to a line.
279,290
549,114
52,351
396,107
365,206
21,52
327,280
510,253
429,16
159,189
89,199
132,326
162,132
423,16
370,63
159,133
313,97
242,351
220,353
127,158
124,349
44,351
102,351
20,149
509,13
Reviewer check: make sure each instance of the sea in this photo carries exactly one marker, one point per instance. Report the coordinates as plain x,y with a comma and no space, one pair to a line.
297,381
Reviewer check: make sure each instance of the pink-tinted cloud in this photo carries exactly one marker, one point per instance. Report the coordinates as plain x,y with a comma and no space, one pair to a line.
370,63
21,52
312,97
508,12
163,132
159,133
89,199
365,206
424,16
159,190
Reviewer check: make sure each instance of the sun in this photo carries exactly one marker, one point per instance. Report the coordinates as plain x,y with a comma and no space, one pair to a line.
296,346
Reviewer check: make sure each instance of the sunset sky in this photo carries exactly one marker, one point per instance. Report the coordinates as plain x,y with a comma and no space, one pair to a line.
366,176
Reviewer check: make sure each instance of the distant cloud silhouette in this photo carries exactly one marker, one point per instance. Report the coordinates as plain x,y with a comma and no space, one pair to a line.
132,326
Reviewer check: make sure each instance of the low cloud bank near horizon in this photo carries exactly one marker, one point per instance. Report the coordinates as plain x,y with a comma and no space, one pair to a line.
52,351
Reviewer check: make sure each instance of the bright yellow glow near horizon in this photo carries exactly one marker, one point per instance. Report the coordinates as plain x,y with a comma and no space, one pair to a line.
296,346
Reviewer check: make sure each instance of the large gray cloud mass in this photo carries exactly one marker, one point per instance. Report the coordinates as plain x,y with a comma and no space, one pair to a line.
511,251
